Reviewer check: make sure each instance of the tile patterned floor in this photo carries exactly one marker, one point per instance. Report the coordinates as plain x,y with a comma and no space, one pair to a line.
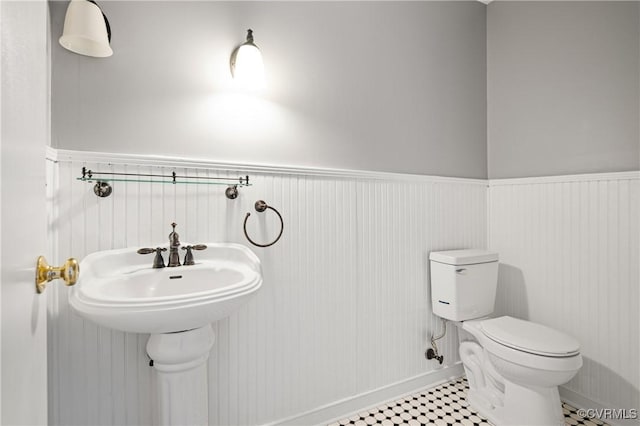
444,405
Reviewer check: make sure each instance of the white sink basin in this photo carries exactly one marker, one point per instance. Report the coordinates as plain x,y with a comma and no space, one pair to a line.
120,289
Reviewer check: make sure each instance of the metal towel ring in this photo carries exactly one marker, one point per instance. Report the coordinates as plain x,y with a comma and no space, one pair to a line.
261,206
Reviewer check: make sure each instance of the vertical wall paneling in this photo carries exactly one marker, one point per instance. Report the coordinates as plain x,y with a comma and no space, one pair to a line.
344,308
569,259
345,305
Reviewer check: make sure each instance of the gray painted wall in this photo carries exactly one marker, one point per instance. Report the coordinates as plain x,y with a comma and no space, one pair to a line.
563,87
387,86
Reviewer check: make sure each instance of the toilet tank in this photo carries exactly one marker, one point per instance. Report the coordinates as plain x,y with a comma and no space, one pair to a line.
463,283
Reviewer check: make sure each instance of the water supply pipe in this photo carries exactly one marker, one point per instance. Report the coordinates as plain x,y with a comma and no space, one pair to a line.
432,353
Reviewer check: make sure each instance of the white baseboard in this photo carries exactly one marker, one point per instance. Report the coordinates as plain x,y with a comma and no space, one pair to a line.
579,401
344,408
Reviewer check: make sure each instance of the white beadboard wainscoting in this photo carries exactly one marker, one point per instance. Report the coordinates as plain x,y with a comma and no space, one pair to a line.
344,309
570,259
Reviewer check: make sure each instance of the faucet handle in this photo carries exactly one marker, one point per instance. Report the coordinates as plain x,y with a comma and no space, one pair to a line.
194,247
146,250
188,257
158,261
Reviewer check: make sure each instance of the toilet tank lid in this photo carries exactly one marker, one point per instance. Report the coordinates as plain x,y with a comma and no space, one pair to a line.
463,257
530,337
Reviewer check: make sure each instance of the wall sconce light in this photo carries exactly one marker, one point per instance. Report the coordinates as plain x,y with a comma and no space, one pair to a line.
247,67
86,30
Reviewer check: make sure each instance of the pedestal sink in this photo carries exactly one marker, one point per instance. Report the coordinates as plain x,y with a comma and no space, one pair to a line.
120,289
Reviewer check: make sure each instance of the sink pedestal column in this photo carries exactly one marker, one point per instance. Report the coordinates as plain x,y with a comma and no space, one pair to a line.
181,363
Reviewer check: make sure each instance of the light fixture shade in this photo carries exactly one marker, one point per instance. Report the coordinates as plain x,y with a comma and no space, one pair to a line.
247,67
86,30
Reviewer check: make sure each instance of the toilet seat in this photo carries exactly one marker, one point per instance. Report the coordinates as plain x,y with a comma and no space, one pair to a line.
530,337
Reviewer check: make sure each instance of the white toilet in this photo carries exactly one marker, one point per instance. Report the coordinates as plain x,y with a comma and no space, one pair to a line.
514,367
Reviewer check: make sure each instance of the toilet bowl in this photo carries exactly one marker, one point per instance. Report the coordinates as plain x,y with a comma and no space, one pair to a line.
513,366
528,367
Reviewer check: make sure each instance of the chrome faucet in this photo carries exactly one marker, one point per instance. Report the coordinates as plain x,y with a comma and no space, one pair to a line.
174,244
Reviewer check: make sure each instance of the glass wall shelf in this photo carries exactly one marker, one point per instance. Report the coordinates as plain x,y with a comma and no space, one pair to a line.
102,188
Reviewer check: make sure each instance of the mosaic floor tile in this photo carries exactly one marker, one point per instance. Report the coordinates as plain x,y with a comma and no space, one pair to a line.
443,405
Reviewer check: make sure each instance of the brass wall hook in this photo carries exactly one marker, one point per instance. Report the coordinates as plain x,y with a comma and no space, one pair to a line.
69,272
